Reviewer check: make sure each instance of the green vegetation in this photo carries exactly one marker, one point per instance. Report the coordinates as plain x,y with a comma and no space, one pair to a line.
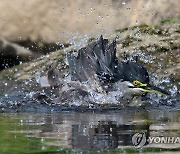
170,21
91,39
121,30
14,141
129,40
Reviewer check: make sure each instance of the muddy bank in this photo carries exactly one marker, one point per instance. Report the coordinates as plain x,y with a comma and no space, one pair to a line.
157,47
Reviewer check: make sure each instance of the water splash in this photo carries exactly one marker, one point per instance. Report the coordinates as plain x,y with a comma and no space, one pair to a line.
78,40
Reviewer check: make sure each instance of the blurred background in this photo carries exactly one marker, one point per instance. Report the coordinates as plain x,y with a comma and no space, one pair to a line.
59,20
29,29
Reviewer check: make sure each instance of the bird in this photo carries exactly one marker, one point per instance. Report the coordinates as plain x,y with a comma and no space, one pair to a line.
97,68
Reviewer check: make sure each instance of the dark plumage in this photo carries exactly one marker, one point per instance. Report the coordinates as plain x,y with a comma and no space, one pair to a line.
98,61
96,69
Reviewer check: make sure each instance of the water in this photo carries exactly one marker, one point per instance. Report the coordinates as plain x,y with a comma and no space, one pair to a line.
75,132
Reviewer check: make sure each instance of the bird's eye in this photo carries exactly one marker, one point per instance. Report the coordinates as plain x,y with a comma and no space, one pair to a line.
135,82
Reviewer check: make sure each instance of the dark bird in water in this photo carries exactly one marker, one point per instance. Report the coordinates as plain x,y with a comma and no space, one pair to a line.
96,68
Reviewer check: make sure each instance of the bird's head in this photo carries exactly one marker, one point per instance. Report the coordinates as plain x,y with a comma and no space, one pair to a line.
136,79
138,88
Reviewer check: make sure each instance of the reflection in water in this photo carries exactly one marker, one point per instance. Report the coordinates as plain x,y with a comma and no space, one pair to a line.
88,131
106,135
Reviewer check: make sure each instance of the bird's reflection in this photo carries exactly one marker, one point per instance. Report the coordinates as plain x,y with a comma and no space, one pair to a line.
105,135
100,131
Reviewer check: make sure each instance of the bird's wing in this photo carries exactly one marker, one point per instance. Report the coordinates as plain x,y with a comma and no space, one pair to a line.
97,60
98,63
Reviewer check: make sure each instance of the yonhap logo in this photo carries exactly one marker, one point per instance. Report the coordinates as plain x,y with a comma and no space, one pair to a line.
139,140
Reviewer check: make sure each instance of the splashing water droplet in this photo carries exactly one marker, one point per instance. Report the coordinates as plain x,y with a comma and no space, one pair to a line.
173,90
123,3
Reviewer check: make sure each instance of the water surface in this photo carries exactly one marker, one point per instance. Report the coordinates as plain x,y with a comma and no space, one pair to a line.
72,132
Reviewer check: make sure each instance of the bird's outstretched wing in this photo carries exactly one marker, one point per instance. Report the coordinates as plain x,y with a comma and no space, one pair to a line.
95,61
98,61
